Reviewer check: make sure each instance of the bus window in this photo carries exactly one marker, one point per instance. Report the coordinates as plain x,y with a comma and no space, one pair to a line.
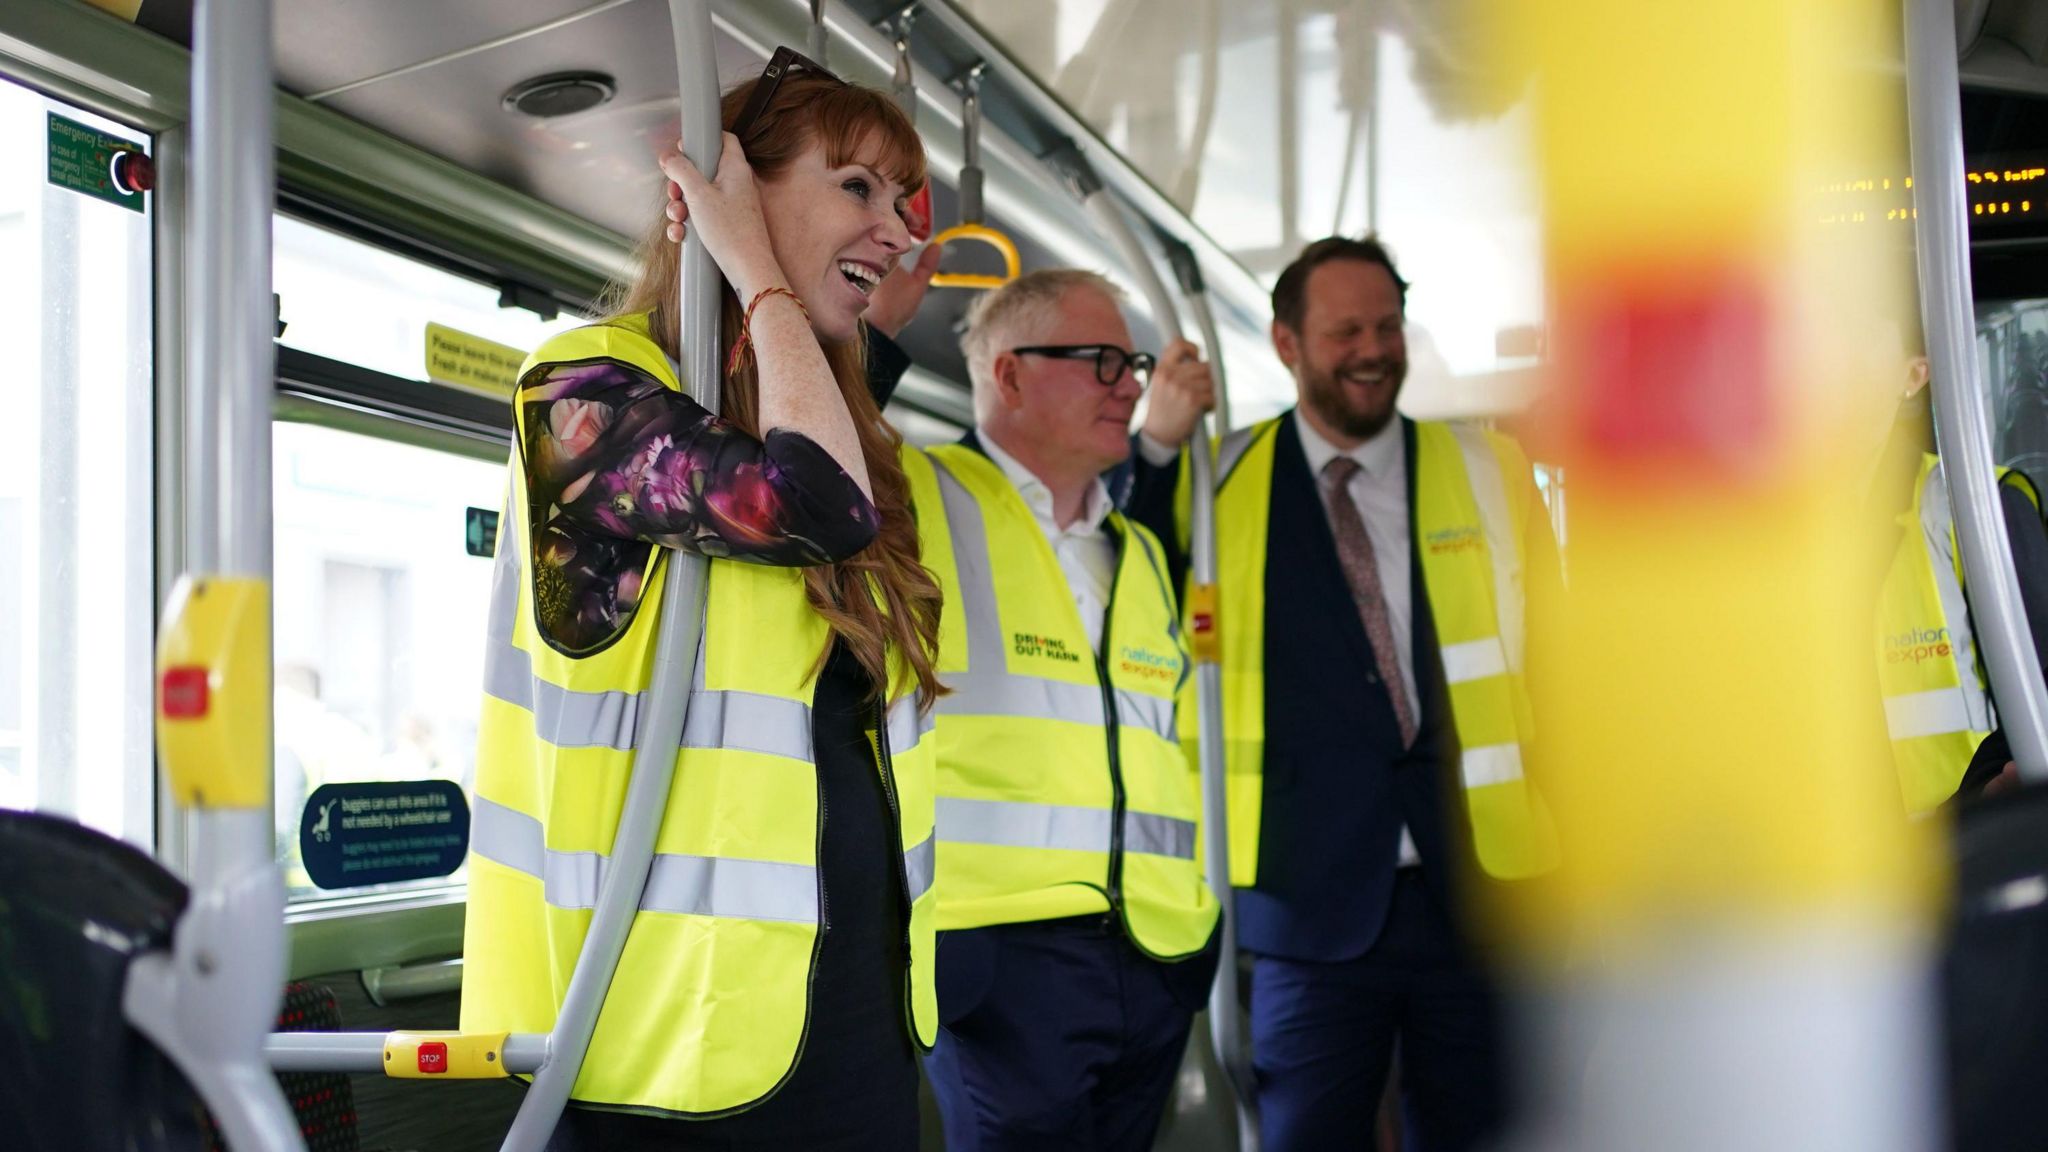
384,526
379,617
2012,354
77,561
1275,125
350,301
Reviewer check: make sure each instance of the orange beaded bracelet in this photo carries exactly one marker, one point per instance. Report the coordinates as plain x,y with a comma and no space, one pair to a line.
743,346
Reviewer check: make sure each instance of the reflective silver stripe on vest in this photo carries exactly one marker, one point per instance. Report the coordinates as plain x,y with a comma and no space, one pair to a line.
1474,660
1491,764
1036,698
988,688
1172,602
907,725
921,866
1935,713
1017,824
1014,824
749,722
1489,493
1937,528
561,716
1233,447
688,885
567,718
1158,835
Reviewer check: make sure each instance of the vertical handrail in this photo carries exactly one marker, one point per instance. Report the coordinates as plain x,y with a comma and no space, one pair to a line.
903,81
1187,269
1223,1012
212,999
816,41
1962,423
676,649
1226,1031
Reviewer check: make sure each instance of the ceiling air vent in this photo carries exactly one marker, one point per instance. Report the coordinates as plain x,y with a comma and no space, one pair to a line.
560,94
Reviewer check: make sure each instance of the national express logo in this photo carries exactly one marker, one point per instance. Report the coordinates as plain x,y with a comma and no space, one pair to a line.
1464,538
1050,647
1147,665
1915,645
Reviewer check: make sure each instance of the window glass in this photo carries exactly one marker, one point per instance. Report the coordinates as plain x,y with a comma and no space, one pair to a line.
346,300
77,560
2012,355
1273,125
379,619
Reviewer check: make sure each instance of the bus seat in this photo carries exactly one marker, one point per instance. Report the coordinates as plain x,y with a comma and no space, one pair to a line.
1996,1006
75,908
324,1102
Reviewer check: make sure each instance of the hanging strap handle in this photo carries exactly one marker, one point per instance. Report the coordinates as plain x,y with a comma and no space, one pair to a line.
972,224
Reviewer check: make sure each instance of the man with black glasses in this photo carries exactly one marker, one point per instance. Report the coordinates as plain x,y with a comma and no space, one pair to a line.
1077,938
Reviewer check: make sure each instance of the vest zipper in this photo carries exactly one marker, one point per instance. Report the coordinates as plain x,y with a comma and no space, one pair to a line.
886,764
1116,766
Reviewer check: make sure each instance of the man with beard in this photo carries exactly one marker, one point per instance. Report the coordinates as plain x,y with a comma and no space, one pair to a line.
1370,582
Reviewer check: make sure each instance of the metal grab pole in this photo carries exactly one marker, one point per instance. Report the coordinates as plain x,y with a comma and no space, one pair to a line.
1962,426
210,1002
676,649
1187,268
1233,1053
1223,1019
816,41
903,82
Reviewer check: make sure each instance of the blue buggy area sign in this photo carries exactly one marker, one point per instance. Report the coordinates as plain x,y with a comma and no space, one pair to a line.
356,834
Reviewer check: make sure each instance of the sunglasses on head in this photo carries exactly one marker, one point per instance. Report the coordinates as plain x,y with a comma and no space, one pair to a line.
782,63
1110,361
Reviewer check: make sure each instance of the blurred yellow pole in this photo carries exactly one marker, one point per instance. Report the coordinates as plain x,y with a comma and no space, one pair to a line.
1742,900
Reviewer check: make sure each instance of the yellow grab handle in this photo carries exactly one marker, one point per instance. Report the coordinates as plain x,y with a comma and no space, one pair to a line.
988,236
445,1055
213,692
1205,633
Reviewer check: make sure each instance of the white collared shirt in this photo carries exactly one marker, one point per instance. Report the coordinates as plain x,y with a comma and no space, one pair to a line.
1087,556
1380,489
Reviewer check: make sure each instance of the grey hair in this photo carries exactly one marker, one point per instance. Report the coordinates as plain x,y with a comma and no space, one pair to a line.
1000,319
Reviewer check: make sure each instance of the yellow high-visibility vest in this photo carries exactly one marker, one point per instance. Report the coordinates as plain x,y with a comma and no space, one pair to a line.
1062,786
1937,705
709,1007
1471,503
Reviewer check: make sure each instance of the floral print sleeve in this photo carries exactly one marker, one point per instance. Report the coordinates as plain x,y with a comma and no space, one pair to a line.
617,465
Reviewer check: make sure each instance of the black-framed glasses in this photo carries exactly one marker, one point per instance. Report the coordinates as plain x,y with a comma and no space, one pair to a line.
782,63
1110,360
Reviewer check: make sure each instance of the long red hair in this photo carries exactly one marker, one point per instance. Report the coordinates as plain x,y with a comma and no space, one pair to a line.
855,125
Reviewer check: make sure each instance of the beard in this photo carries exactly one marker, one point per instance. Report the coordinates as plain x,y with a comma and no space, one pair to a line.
1324,391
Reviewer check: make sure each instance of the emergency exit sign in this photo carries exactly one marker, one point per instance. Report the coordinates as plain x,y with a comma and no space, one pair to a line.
82,159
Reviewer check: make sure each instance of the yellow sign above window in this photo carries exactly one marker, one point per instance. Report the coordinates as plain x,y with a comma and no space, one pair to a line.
472,362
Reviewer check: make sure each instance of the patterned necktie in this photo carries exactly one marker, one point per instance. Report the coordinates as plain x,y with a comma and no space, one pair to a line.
1361,571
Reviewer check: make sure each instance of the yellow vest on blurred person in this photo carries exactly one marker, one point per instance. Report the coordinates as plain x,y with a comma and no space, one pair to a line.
1937,706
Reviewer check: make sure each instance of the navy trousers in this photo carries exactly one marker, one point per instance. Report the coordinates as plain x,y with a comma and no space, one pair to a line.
1058,1034
1324,1034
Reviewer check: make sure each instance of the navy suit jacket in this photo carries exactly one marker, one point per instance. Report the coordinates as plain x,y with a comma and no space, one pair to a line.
1338,785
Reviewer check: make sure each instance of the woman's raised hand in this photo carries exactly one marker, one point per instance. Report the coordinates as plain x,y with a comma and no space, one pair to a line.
727,214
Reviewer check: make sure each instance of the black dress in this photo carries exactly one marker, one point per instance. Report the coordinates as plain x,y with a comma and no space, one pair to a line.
855,1082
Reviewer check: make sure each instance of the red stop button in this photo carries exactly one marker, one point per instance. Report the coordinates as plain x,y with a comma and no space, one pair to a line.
184,693
433,1057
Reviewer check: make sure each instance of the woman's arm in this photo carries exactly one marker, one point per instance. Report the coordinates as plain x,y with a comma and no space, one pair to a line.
612,453
797,390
